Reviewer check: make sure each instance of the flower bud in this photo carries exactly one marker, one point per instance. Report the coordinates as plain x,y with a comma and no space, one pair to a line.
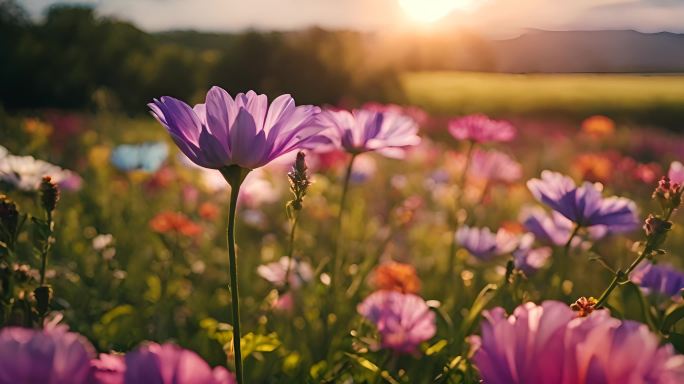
656,229
299,181
668,194
43,296
584,306
9,217
49,194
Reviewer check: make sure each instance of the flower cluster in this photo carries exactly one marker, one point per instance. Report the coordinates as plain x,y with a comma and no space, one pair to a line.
484,244
481,129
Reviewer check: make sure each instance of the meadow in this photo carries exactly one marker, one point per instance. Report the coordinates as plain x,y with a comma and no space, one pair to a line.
651,99
407,244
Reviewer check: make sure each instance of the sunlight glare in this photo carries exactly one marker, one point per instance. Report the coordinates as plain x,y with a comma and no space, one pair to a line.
428,11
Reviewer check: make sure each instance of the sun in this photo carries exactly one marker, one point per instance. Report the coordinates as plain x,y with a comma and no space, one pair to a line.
428,11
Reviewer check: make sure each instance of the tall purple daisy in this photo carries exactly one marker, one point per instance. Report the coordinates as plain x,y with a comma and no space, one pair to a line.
363,130
244,131
549,344
481,129
53,355
584,205
403,319
236,136
659,280
484,244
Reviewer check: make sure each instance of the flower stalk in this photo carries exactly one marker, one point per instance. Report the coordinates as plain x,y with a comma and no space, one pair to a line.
235,175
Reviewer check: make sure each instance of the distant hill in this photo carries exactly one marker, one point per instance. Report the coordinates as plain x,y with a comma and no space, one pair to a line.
590,51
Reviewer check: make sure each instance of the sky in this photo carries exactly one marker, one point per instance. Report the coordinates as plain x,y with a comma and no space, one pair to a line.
494,17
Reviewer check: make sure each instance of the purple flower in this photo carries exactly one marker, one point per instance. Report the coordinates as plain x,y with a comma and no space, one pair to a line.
494,166
484,244
481,129
244,131
676,173
159,364
659,279
362,131
549,344
528,259
403,320
555,228
584,205
53,356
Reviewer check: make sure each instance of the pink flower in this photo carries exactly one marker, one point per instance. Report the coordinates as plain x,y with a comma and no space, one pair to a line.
362,131
52,355
159,364
403,320
494,166
549,344
676,173
481,129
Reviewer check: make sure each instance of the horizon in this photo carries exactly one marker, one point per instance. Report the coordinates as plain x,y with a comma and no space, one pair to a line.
492,18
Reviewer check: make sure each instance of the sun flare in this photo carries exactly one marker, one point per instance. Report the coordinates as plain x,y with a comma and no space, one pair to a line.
428,11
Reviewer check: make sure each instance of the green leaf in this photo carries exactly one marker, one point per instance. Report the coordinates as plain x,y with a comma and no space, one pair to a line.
672,316
487,294
363,362
436,347
318,369
153,292
251,343
677,340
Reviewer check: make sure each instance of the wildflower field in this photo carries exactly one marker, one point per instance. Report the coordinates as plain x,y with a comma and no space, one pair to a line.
254,240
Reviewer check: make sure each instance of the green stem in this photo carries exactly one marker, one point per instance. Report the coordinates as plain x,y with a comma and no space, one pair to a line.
337,257
619,274
234,175
566,254
46,249
459,203
290,248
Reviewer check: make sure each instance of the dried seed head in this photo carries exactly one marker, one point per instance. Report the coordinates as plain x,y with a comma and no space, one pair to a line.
49,194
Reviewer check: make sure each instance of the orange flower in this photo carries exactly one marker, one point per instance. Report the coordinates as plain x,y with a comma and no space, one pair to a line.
167,221
598,126
593,167
395,276
208,211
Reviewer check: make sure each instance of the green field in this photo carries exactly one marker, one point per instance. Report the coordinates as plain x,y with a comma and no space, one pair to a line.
657,99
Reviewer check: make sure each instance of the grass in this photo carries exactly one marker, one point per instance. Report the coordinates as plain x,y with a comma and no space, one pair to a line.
658,99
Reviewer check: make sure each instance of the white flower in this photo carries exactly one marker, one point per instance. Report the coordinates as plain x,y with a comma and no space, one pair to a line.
26,172
275,272
101,242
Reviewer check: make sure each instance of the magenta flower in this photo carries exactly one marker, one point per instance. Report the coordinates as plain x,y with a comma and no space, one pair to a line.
676,173
363,131
584,205
494,166
159,364
484,244
481,129
659,279
403,320
244,131
53,356
549,344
